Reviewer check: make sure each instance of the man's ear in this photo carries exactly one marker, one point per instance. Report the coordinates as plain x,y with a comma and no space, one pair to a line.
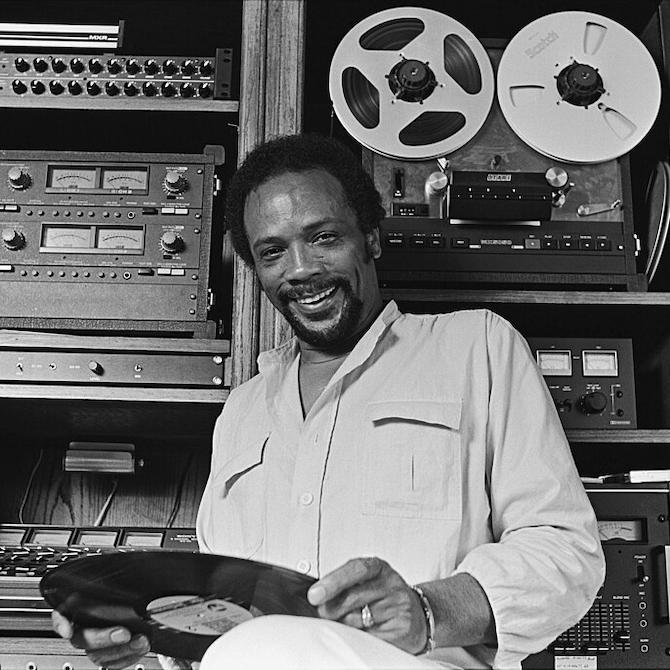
373,244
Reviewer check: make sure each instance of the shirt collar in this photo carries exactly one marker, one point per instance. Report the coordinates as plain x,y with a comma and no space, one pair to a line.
274,363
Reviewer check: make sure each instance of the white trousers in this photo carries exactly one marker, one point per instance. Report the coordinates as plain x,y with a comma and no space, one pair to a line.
279,642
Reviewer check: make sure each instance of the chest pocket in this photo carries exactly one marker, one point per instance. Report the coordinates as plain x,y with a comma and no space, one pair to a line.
412,459
240,512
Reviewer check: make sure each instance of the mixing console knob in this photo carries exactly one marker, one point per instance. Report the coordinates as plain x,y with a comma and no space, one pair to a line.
186,90
40,64
56,87
149,88
205,90
593,403
92,88
58,65
74,87
21,64
171,242
18,178
77,65
168,89
130,89
174,182
187,67
19,87
37,87
132,66
113,66
206,68
111,88
169,66
95,66
13,239
151,66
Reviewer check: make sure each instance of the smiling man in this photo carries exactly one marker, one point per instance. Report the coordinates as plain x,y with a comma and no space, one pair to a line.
414,464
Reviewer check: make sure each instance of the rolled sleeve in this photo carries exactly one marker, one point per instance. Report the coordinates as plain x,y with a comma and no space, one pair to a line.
543,571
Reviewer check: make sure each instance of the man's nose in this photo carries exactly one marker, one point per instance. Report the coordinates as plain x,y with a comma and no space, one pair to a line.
302,263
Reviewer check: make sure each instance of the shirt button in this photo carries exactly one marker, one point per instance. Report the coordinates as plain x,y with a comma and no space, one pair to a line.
303,566
306,499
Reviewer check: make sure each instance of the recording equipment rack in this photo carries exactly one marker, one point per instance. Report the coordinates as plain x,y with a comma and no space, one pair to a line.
118,240
111,81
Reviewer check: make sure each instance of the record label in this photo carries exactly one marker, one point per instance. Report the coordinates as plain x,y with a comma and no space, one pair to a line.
195,614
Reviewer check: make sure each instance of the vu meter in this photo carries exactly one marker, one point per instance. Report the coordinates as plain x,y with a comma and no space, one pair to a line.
91,241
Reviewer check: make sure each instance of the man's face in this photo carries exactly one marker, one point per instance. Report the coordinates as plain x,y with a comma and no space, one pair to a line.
311,257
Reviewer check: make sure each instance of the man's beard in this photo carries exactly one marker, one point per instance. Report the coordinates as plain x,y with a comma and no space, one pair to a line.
337,334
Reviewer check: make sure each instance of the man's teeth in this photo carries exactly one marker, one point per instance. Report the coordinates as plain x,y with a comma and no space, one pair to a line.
315,298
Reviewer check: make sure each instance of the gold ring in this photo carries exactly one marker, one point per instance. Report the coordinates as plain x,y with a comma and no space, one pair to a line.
367,619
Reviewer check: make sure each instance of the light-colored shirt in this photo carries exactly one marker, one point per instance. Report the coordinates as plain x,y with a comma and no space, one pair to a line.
435,446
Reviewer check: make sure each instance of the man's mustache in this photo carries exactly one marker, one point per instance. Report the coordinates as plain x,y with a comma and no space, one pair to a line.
312,288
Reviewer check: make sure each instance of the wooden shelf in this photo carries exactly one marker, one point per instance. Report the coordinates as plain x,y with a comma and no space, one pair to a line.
643,436
123,103
524,297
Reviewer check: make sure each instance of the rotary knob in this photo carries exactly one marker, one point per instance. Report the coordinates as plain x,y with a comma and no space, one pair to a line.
113,66
130,89
95,66
149,88
58,65
56,87
40,64
151,66
206,68
188,67
18,178
19,87
74,87
186,90
92,88
77,65
171,242
95,367
13,239
132,66
205,90
111,88
168,90
175,182
169,66
37,87
21,64
593,403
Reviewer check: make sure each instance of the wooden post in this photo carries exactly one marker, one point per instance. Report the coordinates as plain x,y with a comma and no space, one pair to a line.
270,105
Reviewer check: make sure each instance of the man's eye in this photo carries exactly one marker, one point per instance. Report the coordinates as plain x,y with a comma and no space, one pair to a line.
270,253
324,237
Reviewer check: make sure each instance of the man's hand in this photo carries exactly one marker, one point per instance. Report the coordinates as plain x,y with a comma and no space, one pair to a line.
395,608
111,648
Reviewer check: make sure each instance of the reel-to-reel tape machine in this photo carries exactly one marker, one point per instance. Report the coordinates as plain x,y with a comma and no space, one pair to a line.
499,161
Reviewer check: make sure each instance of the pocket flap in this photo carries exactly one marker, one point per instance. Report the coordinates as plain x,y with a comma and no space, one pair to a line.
445,413
247,457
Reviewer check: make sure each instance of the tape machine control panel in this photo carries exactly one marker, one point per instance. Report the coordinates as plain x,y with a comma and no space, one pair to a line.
106,237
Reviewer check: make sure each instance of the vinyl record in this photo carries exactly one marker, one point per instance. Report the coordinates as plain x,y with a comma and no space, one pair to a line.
411,83
181,601
578,87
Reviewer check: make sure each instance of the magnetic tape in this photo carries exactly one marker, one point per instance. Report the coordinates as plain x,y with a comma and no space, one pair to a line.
530,185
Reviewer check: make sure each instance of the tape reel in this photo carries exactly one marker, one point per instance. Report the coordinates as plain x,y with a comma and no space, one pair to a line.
578,87
411,83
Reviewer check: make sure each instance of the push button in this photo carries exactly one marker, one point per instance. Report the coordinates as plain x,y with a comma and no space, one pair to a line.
306,499
531,243
549,244
460,242
586,244
394,240
603,245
